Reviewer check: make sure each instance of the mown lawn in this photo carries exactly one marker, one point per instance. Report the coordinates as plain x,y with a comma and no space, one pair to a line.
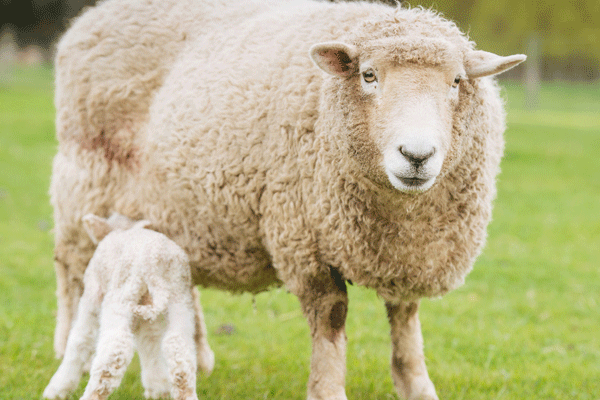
526,325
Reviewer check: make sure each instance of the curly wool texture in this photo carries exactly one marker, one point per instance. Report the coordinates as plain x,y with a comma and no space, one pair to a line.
212,122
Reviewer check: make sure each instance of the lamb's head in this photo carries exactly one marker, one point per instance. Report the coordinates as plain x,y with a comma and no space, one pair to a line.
399,99
98,227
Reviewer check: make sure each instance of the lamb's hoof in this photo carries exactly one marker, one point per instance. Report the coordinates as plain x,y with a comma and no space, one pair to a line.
55,393
156,393
424,397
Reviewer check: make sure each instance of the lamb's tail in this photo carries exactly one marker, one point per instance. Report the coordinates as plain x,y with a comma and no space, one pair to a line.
152,303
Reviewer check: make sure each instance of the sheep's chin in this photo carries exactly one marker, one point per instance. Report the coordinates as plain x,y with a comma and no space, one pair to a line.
408,184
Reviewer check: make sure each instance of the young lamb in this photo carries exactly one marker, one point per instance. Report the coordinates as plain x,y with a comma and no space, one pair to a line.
137,289
298,143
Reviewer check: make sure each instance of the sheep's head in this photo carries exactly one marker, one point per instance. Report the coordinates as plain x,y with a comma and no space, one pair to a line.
399,100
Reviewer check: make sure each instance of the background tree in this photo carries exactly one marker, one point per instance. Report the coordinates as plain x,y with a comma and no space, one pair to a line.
568,31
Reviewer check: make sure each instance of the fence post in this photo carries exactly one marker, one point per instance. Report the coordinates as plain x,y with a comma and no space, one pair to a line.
8,55
532,71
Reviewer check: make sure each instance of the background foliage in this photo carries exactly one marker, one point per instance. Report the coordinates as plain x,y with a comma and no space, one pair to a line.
567,32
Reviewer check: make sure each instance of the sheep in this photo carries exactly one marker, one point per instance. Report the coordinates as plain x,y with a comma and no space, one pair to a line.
297,143
137,289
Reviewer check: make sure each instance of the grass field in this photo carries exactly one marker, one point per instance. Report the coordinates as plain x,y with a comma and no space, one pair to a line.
526,325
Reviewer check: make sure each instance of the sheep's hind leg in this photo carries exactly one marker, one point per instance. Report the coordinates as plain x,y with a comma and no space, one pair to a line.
325,304
114,350
408,361
69,265
206,357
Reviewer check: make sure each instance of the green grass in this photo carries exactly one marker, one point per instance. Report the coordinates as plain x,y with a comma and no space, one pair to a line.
526,325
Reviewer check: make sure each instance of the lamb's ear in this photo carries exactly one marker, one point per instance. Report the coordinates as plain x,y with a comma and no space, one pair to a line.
96,227
335,58
481,63
144,223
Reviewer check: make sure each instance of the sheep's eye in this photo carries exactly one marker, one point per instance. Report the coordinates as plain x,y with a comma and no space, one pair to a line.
456,81
369,76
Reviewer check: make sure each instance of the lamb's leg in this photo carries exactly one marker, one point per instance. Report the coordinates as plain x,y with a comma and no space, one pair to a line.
206,357
179,349
325,304
79,348
155,377
408,361
114,350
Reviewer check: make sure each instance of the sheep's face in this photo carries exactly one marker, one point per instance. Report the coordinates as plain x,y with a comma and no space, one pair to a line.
404,101
410,110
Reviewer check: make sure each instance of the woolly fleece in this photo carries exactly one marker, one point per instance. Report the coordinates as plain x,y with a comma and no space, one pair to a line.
211,121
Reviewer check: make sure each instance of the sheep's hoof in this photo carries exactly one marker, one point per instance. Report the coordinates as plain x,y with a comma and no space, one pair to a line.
427,394
341,396
206,361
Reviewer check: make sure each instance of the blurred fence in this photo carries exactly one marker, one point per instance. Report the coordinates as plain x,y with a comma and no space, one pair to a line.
567,33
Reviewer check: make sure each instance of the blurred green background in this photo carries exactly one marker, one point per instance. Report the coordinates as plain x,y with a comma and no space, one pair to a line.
526,325
565,34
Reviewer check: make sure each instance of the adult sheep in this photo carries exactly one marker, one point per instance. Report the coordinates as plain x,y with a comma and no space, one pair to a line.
210,120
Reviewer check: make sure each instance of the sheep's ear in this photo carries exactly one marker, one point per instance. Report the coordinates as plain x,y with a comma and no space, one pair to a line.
96,227
335,58
481,63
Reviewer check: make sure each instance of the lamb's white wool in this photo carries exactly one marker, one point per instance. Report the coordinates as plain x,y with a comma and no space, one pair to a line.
373,162
137,294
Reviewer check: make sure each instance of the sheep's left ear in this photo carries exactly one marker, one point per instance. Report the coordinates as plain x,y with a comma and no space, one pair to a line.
335,58
481,63
97,227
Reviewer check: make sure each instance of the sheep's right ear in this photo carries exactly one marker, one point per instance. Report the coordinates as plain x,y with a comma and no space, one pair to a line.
96,227
482,63
335,58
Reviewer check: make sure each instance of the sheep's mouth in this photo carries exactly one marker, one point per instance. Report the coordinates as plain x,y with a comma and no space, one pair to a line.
412,182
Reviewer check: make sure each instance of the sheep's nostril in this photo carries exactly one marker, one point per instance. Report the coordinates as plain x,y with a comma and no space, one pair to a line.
416,156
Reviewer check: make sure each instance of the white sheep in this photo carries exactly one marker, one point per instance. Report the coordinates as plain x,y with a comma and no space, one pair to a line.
209,119
137,290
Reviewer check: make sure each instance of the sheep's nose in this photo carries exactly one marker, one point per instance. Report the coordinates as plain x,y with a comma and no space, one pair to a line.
416,156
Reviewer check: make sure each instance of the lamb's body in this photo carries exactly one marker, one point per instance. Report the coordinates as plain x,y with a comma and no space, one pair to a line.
137,289
221,131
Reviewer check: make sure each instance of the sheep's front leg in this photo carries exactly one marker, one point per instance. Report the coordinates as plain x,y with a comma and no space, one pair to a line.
408,361
324,302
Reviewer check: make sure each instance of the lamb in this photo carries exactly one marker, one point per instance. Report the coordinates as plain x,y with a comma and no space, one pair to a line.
137,289
296,143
